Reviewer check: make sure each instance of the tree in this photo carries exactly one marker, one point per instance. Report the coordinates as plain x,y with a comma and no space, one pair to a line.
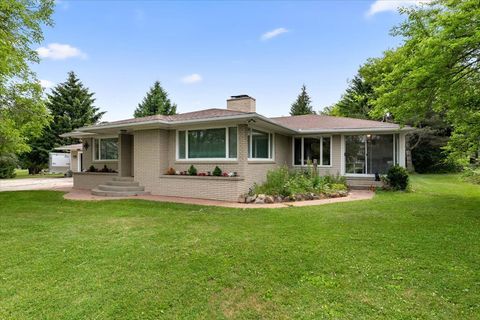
155,102
437,68
303,104
356,102
71,106
22,111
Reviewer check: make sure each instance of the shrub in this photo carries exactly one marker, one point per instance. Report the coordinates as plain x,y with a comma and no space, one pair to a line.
276,183
471,175
397,178
8,164
92,169
287,183
171,171
217,172
192,171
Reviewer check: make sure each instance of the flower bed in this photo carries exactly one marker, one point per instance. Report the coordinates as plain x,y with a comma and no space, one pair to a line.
283,185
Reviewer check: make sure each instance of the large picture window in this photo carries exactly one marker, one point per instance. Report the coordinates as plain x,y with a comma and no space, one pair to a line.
307,150
215,143
260,145
105,149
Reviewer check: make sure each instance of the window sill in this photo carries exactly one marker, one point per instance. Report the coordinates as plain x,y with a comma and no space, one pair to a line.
166,176
105,161
260,161
200,161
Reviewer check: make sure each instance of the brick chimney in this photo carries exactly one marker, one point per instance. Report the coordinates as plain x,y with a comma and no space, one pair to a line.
242,103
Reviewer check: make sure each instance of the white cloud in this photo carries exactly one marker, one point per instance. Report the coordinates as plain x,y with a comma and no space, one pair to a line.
392,5
274,33
192,78
46,84
58,51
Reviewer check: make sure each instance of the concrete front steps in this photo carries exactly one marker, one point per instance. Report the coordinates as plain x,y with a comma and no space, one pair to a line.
119,187
363,183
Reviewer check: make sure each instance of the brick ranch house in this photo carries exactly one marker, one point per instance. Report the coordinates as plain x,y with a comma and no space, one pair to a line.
237,139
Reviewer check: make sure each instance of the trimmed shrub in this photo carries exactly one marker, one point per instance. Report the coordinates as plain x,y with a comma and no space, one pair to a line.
397,178
217,172
8,164
192,171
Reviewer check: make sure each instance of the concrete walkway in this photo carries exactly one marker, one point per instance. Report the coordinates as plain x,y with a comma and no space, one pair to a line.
36,184
354,195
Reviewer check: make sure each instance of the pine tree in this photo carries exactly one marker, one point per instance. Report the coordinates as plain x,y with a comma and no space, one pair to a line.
303,104
71,106
356,102
155,102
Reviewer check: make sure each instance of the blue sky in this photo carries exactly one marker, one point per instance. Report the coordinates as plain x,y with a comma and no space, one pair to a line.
203,52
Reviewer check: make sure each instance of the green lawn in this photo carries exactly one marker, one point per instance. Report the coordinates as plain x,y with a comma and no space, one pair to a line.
398,256
23,174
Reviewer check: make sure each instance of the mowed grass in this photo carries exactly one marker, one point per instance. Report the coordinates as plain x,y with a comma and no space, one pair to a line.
23,174
398,256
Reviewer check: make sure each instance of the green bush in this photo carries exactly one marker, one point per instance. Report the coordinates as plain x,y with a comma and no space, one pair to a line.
8,164
192,171
276,183
397,178
217,172
471,175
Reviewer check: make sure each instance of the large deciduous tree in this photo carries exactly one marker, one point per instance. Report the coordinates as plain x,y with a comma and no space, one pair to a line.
155,102
436,69
303,104
22,111
71,106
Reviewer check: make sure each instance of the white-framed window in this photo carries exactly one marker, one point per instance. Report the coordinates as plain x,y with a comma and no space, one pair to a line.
310,149
206,144
260,145
105,149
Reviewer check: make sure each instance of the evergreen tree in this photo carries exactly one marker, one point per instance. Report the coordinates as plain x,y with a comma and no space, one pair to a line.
155,102
356,102
71,106
303,104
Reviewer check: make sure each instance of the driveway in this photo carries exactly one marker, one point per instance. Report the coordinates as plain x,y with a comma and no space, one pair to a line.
36,184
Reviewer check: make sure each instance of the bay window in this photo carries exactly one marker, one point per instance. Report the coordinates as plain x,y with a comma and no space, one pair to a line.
260,144
214,143
307,150
105,149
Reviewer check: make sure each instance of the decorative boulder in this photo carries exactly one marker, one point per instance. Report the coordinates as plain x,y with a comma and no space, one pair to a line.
298,197
250,199
278,199
260,200
269,199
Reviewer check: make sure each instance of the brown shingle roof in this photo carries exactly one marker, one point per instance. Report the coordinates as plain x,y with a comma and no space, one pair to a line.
321,122
195,115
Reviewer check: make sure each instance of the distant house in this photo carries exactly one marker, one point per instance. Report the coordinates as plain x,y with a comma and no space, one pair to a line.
238,140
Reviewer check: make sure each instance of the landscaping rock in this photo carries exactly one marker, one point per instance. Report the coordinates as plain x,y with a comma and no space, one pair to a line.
315,197
259,200
269,199
298,197
242,198
250,199
278,199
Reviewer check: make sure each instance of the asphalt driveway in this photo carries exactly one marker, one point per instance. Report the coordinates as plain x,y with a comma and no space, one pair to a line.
36,184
